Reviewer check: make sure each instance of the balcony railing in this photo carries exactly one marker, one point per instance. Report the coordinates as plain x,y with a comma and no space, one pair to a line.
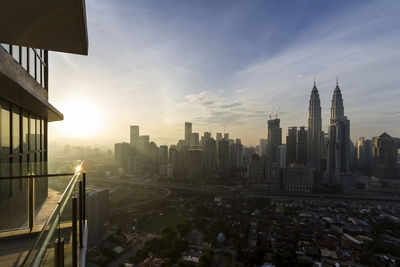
49,210
34,61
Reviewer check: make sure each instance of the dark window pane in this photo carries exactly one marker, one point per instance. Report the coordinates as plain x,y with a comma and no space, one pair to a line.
15,131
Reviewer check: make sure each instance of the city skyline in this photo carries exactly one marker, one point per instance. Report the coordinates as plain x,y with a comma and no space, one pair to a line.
229,86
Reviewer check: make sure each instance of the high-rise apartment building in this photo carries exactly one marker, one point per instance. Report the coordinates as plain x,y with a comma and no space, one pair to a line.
226,136
314,129
210,154
282,156
143,146
163,157
188,133
263,147
218,137
195,139
384,157
363,154
301,152
223,155
291,145
134,137
274,138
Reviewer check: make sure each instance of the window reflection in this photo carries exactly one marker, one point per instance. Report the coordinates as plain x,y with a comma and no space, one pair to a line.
15,52
5,131
24,58
32,132
25,134
15,131
6,47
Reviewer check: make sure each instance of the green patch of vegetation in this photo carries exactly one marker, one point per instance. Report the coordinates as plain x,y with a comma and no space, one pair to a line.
168,246
160,222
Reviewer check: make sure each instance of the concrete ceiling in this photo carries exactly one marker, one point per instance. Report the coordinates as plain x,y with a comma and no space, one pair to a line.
56,25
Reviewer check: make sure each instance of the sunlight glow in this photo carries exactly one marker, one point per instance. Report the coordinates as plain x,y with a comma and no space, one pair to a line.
82,118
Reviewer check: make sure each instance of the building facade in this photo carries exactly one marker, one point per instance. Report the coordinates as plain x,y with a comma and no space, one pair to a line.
384,157
274,138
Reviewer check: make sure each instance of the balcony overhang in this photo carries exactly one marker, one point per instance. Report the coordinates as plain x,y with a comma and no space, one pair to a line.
56,25
19,88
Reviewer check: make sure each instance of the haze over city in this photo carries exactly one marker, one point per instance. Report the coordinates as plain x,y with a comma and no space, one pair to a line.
227,65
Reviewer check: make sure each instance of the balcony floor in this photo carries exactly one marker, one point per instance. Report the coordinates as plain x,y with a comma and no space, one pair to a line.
15,244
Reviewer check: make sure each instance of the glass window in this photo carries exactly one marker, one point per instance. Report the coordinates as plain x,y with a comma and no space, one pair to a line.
5,131
25,134
15,131
38,147
32,63
15,52
38,64
6,47
32,133
24,58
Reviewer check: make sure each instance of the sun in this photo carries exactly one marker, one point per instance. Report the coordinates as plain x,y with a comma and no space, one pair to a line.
81,118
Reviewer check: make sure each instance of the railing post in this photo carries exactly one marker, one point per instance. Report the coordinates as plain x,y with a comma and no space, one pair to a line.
84,197
56,253
62,252
31,204
59,252
80,214
74,232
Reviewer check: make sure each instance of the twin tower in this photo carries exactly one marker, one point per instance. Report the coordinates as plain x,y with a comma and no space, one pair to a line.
337,151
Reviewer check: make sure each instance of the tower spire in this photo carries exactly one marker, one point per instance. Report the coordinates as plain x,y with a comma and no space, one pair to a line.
314,79
337,80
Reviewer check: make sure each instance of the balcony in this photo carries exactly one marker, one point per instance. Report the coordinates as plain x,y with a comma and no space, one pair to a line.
43,215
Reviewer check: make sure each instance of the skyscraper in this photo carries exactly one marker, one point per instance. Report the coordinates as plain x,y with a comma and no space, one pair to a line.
195,139
226,136
163,157
263,147
223,154
384,157
134,137
210,154
188,133
314,129
218,137
339,142
291,145
363,154
274,138
301,152
143,146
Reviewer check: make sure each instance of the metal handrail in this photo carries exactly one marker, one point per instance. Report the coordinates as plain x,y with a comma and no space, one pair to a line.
37,176
55,215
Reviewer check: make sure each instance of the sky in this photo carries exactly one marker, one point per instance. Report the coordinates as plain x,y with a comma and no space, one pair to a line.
226,66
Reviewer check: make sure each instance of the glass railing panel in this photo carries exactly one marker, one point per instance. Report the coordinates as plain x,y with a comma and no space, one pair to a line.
21,181
58,226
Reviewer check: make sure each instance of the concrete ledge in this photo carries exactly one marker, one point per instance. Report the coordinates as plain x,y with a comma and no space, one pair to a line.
19,88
